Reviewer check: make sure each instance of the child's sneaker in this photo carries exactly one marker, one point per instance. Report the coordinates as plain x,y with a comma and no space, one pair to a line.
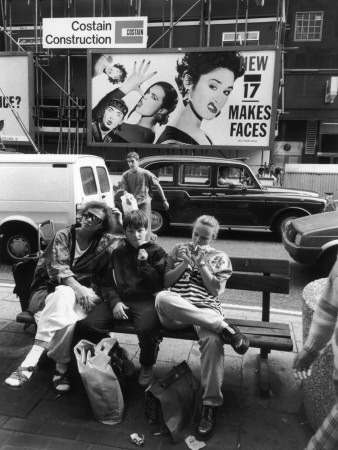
231,335
146,376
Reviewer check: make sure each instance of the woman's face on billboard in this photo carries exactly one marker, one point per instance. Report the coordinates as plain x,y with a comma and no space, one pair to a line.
211,92
151,101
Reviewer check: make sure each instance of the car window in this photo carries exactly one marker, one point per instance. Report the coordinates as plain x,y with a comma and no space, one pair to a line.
103,179
164,172
233,176
196,174
88,180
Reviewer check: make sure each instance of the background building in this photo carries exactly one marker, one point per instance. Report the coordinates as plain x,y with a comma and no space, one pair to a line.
306,30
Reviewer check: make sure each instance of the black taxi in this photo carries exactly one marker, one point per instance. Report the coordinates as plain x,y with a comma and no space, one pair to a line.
226,189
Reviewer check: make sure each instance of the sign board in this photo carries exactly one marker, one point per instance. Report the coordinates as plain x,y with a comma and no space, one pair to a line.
94,32
211,108
16,96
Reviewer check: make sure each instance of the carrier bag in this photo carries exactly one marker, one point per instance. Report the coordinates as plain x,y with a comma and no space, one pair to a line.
129,203
178,395
100,381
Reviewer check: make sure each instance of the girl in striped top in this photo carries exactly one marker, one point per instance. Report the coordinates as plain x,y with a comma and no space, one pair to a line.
195,276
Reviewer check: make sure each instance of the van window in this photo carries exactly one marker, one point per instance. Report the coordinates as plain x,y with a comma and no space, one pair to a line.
103,179
88,181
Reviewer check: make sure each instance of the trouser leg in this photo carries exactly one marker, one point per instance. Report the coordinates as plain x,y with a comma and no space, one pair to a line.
146,208
177,312
98,323
60,311
147,326
326,436
212,366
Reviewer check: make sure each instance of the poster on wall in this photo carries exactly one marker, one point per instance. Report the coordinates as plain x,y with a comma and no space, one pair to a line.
197,97
15,96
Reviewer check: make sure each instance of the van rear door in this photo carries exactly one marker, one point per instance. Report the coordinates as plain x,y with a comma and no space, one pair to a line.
105,185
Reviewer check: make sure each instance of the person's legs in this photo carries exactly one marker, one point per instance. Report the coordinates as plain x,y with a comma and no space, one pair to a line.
177,312
99,322
147,325
146,208
60,311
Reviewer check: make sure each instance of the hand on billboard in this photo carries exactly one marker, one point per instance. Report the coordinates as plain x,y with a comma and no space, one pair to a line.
137,77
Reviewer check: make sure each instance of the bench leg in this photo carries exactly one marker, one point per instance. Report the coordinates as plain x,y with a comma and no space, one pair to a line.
264,378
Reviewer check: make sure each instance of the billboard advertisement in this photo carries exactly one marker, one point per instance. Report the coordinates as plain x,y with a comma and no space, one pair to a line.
94,32
197,97
16,100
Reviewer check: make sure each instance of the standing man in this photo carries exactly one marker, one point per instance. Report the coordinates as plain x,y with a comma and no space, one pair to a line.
138,182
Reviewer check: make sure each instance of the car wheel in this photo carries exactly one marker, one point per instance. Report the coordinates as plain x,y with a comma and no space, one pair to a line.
159,222
281,222
18,245
327,260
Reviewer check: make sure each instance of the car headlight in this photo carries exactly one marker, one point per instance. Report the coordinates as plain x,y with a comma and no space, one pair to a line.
298,239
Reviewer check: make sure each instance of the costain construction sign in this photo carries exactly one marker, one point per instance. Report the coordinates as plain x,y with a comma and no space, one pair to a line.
95,32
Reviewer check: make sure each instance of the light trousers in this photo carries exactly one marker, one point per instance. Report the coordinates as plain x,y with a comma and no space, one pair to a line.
176,312
56,322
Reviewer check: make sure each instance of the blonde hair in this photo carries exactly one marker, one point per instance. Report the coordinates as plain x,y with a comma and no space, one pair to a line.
210,221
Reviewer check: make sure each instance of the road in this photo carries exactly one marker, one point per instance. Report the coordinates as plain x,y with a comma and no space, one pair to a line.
260,244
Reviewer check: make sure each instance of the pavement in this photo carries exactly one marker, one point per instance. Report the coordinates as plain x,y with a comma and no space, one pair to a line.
34,418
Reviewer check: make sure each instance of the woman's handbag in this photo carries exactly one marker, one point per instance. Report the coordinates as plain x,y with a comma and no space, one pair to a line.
178,399
99,379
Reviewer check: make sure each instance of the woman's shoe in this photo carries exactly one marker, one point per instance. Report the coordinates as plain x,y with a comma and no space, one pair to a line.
19,376
61,382
232,335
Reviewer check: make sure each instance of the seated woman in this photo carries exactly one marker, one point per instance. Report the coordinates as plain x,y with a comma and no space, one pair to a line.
195,276
65,289
154,106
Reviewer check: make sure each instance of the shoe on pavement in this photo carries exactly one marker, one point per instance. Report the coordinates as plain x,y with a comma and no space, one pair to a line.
146,376
18,379
231,335
61,382
206,424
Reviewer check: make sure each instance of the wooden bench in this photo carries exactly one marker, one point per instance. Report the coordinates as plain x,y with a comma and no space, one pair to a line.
268,276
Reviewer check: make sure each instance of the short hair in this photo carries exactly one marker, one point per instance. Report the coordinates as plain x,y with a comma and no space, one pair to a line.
261,170
210,221
123,71
196,64
133,155
118,104
135,219
108,223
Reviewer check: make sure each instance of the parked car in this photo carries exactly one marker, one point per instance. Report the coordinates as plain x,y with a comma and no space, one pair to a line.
35,188
192,187
313,239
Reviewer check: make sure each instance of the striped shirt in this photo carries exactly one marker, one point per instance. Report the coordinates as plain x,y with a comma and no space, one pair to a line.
190,285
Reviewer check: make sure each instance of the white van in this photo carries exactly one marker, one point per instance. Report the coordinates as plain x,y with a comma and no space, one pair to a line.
35,188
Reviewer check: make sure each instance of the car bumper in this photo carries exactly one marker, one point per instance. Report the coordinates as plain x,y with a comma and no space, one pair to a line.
302,255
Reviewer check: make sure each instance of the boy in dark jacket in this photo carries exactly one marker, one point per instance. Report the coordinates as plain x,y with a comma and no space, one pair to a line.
134,276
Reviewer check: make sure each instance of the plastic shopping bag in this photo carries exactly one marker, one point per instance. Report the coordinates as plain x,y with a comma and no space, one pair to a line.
100,382
129,203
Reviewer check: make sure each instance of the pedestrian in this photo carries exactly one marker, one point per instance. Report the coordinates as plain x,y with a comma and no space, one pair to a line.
134,275
195,276
138,182
324,326
65,289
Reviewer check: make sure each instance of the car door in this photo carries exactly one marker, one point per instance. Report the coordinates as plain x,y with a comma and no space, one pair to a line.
241,201
192,193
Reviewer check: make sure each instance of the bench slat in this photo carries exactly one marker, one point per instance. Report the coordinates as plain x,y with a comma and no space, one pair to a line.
256,323
253,282
262,265
265,331
270,343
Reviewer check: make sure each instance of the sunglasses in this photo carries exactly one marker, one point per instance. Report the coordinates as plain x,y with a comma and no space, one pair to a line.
94,219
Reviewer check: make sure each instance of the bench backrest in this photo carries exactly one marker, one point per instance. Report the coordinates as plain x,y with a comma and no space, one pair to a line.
260,274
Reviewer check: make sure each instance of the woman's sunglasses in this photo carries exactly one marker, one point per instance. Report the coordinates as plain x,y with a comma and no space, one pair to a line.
94,219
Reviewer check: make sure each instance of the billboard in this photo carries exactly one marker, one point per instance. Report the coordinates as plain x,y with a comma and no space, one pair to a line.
206,97
16,91
94,32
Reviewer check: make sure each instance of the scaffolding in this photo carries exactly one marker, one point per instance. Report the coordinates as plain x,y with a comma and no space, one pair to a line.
60,119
